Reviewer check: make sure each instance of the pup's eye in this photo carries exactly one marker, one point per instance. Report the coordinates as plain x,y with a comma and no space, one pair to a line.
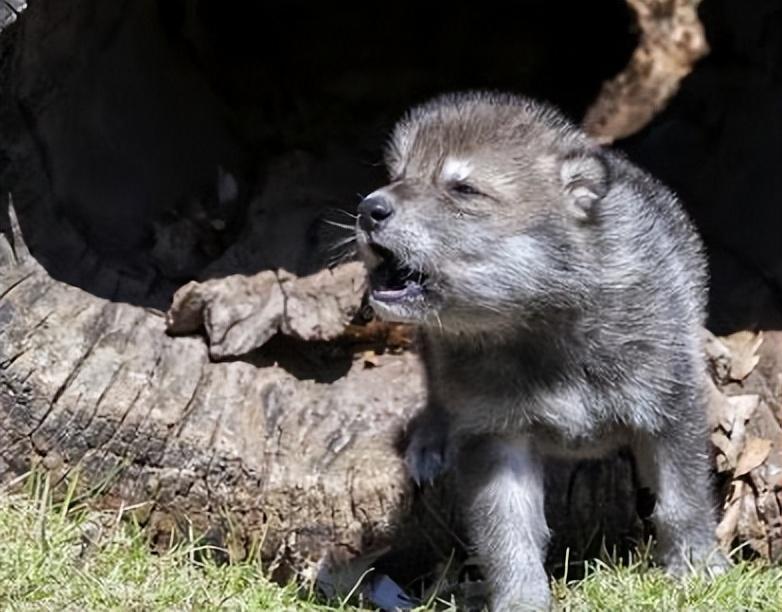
464,189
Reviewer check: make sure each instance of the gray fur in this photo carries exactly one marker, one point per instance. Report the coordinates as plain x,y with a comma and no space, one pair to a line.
560,314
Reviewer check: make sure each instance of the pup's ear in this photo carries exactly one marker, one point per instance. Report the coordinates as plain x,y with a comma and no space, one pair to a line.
585,180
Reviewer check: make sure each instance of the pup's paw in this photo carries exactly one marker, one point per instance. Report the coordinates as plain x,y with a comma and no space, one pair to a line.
709,563
425,455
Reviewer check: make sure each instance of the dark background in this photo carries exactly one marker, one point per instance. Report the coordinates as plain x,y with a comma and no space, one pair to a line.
116,120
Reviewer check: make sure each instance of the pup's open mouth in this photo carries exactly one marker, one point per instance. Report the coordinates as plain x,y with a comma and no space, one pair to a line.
392,280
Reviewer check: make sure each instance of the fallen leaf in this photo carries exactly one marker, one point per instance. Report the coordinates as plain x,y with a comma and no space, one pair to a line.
775,478
771,510
370,358
336,578
750,525
743,406
743,348
720,410
719,357
726,530
754,454
728,458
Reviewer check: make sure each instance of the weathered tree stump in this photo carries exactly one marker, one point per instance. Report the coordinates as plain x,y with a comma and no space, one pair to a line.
307,464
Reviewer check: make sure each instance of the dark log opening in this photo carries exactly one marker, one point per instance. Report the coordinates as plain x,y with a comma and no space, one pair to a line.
718,145
294,99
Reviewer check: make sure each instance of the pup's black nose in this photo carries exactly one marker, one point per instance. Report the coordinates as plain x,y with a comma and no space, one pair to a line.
373,212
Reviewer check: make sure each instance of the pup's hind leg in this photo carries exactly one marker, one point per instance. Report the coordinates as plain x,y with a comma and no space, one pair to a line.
675,466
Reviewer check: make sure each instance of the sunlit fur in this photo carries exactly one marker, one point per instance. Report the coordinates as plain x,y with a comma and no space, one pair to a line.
564,300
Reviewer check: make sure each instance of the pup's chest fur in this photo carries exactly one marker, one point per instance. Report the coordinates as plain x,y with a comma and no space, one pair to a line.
569,399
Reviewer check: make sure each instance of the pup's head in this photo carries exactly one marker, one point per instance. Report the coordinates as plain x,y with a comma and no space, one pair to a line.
485,217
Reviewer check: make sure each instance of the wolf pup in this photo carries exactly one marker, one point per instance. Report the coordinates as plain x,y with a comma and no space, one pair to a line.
560,294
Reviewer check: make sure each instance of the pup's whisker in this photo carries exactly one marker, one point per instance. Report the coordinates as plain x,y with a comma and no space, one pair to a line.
344,212
339,225
342,243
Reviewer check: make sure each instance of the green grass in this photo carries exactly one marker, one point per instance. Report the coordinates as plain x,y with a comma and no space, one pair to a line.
747,586
64,556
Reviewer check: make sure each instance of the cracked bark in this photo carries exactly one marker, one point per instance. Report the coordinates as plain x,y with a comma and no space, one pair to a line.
102,386
672,40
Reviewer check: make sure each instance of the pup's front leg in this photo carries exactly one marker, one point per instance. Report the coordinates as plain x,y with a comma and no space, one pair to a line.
426,453
502,483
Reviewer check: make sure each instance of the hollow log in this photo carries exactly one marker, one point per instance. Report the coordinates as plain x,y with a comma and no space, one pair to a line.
99,384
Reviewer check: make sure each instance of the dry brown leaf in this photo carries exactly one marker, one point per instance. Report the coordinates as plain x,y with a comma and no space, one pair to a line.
755,452
721,411
737,490
726,460
390,335
744,406
726,530
719,357
747,441
750,525
743,348
772,512
775,478
370,358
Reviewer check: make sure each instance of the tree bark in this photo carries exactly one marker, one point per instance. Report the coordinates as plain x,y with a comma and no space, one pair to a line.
672,40
99,385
